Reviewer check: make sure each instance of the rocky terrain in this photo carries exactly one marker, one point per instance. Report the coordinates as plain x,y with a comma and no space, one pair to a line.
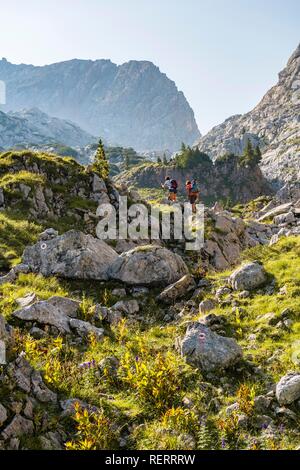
273,125
133,105
151,347
32,127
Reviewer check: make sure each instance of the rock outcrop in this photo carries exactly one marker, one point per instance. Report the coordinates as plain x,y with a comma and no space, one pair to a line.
55,311
72,255
273,125
35,127
133,105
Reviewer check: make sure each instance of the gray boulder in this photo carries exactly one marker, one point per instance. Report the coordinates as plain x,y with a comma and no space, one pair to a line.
4,333
39,389
55,311
248,277
288,389
148,265
207,350
177,290
71,255
283,208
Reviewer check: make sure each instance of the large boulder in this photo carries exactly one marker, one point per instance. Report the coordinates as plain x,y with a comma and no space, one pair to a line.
55,311
71,255
288,389
148,265
207,350
248,277
177,290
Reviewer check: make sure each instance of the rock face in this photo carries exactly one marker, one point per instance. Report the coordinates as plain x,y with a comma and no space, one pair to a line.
210,352
35,127
72,255
273,124
148,265
248,277
133,105
288,389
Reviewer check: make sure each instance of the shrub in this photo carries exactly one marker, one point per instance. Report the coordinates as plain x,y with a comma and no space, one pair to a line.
94,431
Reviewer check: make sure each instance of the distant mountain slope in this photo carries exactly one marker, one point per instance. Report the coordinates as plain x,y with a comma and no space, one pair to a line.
35,127
133,105
274,124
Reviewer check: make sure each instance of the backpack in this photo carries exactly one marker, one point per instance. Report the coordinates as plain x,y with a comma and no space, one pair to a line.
174,184
194,188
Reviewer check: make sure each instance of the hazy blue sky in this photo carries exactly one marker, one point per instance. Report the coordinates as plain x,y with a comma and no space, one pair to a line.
223,54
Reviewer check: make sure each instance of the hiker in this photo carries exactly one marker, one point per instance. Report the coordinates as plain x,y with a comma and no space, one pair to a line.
171,185
192,192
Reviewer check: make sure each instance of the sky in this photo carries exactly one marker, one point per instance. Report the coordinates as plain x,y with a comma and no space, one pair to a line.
223,54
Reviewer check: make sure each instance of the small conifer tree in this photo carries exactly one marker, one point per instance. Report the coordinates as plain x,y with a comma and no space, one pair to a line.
101,164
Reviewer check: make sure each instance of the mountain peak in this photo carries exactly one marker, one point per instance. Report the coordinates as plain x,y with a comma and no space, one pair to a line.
132,105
